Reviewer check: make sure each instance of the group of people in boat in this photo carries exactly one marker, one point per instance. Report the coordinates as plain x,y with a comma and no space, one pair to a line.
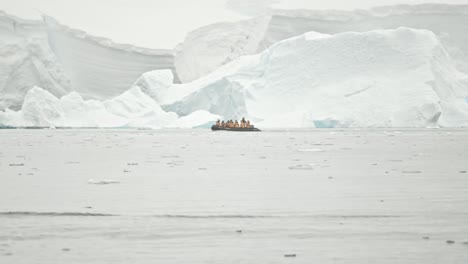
234,124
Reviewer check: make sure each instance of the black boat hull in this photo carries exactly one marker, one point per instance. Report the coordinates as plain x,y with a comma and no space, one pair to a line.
236,129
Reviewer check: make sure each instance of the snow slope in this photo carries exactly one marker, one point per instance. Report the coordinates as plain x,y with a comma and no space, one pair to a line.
383,78
249,37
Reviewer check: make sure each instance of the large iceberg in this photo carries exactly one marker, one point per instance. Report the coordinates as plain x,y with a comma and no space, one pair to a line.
206,49
382,78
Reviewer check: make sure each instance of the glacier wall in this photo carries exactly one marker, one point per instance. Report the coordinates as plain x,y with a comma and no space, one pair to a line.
99,68
448,22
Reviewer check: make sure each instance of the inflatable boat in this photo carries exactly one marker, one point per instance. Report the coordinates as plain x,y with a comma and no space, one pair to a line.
236,129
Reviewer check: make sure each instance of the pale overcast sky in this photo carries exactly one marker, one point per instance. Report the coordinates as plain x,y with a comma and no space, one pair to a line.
163,24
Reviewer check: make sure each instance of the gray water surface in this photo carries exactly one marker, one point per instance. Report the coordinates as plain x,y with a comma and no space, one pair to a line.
196,196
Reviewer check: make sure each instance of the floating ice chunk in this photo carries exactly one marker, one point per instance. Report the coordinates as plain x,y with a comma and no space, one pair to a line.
310,150
102,182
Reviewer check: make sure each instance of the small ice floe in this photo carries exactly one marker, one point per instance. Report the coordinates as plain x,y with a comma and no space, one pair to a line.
102,182
413,171
395,160
310,150
301,167
421,155
16,164
170,157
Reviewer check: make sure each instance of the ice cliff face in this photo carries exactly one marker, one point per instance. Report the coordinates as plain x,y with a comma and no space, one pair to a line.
249,37
99,68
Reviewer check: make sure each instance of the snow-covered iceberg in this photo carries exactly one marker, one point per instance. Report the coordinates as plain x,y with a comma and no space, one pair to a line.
206,49
382,78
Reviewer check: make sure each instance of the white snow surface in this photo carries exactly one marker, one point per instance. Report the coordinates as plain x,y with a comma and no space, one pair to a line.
382,78
208,48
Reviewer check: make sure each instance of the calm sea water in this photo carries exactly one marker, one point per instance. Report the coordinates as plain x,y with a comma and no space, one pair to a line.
195,196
